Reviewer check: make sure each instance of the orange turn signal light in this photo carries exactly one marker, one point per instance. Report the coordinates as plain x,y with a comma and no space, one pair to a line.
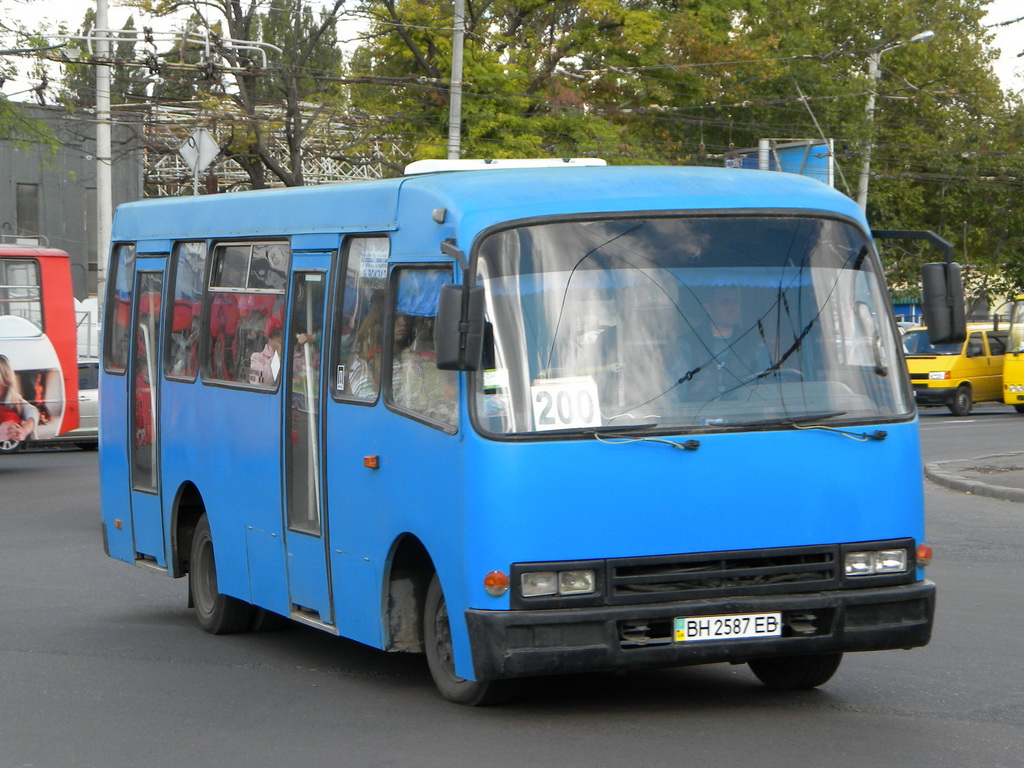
924,555
371,462
496,583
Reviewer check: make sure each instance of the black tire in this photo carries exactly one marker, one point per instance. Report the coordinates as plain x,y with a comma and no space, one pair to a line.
796,673
1019,408
268,621
437,641
962,401
218,614
11,446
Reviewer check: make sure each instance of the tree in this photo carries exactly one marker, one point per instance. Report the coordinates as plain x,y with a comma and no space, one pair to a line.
298,89
16,40
127,81
666,81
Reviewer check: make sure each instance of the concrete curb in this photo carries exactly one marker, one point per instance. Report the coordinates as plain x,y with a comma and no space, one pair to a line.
945,473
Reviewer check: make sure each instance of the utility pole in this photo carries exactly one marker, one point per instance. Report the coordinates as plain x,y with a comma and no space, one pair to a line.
104,196
874,74
455,101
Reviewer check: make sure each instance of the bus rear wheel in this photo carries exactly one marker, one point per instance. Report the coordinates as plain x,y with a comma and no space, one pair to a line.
796,673
437,641
218,614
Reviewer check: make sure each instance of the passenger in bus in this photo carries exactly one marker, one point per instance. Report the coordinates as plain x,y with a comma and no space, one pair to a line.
364,365
419,384
265,365
364,368
18,417
722,352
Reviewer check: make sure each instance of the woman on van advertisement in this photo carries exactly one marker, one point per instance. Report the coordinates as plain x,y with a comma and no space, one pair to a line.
18,417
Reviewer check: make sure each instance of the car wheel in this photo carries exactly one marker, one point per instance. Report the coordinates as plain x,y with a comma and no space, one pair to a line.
961,405
11,446
1019,408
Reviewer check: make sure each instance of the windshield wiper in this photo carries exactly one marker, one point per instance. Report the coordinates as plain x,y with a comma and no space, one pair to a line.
614,436
795,419
613,429
801,421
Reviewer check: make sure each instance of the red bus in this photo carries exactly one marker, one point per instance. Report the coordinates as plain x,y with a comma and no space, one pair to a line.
38,346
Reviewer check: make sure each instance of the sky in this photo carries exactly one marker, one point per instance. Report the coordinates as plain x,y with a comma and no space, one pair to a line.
1010,39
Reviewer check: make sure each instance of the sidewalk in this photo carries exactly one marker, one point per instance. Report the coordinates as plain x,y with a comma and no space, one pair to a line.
1000,476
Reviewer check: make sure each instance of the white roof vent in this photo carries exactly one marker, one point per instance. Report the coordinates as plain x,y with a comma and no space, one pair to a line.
433,166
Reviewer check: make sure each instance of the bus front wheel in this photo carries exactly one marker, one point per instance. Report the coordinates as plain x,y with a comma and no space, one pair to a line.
437,641
218,614
796,673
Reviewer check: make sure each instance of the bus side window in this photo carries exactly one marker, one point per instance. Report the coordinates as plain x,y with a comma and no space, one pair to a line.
359,336
417,384
117,322
20,290
246,314
181,358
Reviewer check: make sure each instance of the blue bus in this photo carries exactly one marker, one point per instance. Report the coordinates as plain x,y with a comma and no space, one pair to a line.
525,421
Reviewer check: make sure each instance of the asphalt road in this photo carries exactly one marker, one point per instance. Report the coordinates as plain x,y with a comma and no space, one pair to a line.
103,665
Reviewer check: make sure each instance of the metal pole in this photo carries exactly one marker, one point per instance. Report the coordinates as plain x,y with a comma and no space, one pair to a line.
874,74
104,203
455,103
865,170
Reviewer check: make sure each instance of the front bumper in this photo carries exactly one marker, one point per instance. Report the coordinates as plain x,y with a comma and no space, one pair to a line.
925,395
509,644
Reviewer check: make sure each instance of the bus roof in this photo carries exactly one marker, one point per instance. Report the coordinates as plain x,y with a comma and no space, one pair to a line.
11,249
475,199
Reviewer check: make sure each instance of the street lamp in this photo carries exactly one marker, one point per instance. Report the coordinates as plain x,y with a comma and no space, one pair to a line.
874,74
455,95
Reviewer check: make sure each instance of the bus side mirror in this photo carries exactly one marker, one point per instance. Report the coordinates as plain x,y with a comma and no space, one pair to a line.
459,332
942,298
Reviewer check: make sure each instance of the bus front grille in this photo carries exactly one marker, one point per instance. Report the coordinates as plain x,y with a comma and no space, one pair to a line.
721,574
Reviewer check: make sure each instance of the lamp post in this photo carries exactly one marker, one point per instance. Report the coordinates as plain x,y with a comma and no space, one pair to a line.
455,104
874,74
104,202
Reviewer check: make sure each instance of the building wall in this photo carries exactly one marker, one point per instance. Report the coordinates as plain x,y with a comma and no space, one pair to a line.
65,187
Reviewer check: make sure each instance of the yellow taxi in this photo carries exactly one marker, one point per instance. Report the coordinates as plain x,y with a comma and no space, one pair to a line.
957,375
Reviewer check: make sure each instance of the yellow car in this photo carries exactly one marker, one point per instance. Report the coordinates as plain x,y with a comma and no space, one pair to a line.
957,375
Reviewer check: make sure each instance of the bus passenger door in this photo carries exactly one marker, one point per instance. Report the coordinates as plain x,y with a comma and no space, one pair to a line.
306,529
144,421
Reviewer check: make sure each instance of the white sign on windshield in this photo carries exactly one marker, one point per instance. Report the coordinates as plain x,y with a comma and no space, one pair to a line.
567,403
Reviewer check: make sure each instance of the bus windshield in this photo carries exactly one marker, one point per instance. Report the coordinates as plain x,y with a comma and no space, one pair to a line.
684,323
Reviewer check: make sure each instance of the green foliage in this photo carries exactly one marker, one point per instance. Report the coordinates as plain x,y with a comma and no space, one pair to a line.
127,82
634,81
686,81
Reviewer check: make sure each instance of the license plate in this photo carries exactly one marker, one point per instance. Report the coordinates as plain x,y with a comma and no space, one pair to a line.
690,629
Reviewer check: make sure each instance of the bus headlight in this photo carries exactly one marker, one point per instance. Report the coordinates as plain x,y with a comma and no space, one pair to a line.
875,563
576,582
540,583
